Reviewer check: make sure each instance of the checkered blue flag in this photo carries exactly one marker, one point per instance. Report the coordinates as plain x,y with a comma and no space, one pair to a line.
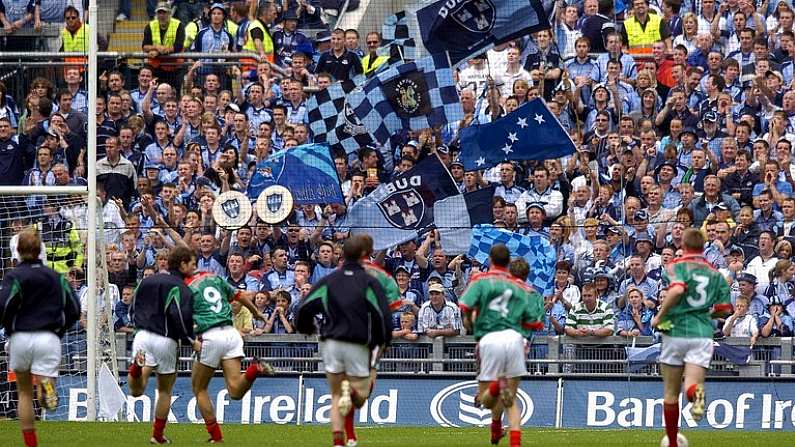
535,249
411,96
395,37
332,120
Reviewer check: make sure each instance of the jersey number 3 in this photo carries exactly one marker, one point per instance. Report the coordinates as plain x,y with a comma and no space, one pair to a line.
500,304
213,296
701,291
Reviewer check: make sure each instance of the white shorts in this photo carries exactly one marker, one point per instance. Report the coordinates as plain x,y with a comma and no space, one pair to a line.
344,357
220,343
676,351
501,354
38,352
160,351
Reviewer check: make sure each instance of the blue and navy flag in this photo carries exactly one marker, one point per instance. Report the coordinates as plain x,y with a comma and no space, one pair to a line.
403,208
465,28
639,358
411,96
535,249
396,40
456,215
530,132
332,121
307,171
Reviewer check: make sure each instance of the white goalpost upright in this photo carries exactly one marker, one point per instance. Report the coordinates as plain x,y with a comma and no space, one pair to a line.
91,274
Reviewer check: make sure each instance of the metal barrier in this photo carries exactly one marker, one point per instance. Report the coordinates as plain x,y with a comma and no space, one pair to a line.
588,356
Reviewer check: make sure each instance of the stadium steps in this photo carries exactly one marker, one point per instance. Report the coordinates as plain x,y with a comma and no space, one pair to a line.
127,35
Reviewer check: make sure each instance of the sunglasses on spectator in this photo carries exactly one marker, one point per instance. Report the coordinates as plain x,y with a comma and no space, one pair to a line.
71,17
372,42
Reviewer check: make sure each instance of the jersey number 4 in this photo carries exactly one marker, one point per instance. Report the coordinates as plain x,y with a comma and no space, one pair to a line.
500,304
213,296
701,290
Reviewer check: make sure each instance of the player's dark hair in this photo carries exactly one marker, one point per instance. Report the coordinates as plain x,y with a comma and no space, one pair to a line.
519,268
693,240
178,255
500,255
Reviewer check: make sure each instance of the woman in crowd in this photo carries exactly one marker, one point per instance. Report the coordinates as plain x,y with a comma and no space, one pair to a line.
635,319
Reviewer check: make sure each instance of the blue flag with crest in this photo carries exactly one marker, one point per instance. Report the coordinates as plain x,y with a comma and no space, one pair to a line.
530,132
307,171
403,208
465,28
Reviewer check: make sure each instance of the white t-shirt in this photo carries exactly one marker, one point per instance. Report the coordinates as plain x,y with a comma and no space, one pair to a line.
12,244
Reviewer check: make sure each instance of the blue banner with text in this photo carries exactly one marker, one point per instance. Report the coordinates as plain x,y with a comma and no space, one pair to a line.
450,402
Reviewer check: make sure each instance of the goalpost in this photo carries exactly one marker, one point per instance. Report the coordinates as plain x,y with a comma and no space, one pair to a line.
78,212
69,220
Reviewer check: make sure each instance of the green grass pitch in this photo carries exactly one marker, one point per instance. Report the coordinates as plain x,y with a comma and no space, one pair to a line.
68,434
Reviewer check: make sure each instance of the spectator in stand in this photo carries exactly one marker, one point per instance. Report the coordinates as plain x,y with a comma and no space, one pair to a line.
280,276
288,39
741,323
163,36
116,173
340,63
372,60
635,319
280,319
12,157
121,312
406,328
590,317
437,316
776,322
242,319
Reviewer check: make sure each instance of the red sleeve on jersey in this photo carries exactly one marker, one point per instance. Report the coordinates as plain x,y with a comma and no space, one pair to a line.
723,308
678,283
464,308
535,325
395,305
236,296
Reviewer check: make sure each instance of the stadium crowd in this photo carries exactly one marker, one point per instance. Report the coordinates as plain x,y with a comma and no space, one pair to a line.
683,114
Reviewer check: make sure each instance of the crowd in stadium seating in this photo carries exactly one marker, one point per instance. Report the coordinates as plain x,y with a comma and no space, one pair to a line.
682,112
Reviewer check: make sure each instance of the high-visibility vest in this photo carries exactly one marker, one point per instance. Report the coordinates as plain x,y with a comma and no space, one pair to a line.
267,41
640,40
170,40
379,60
191,30
75,43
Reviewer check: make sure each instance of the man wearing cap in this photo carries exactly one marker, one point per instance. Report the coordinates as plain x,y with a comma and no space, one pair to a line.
644,247
162,36
666,173
214,38
437,316
746,287
288,39
536,215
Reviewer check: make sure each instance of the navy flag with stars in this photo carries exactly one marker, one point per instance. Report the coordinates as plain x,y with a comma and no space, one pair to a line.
530,132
